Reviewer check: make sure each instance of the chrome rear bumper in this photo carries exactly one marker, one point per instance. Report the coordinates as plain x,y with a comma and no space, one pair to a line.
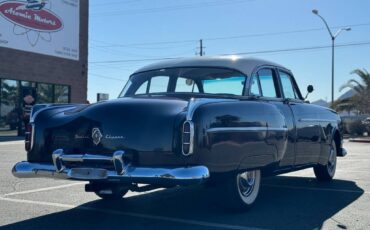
123,172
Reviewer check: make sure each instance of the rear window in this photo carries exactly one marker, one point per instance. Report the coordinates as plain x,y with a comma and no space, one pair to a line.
199,80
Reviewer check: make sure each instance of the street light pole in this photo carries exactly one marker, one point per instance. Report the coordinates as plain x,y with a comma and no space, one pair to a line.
333,37
332,69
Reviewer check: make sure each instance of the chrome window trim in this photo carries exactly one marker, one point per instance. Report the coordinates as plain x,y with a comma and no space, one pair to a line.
316,120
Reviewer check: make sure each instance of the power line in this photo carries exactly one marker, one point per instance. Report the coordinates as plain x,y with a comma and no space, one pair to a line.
284,32
113,3
241,53
102,76
299,49
170,8
228,37
135,60
144,44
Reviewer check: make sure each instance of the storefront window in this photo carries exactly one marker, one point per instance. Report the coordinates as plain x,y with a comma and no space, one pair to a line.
61,94
16,96
9,109
44,93
28,84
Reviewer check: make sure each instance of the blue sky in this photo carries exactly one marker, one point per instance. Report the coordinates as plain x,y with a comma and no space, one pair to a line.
122,30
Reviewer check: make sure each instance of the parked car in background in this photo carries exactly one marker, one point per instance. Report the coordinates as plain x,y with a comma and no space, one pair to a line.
366,122
224,121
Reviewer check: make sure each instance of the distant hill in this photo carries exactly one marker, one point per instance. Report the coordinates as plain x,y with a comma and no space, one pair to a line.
347,94
321,102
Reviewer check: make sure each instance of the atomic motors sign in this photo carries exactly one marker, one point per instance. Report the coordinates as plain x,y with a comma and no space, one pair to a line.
39,20
40,26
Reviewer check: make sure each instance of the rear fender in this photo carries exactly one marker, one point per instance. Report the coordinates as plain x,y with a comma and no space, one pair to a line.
233,135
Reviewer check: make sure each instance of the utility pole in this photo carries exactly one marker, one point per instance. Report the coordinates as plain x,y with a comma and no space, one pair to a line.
201,48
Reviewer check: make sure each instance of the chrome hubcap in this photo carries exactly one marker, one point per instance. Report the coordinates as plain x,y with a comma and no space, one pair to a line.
246,183
332,161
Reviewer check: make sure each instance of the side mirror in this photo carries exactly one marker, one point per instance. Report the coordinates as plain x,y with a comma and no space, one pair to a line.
309,90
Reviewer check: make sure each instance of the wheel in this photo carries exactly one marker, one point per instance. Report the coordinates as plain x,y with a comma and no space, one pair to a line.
327,172
112,192
242,190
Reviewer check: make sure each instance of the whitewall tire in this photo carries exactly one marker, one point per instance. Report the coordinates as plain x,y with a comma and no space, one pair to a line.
243,189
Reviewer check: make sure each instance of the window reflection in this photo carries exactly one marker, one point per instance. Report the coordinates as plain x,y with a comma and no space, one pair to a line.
61,94
44,93
9,109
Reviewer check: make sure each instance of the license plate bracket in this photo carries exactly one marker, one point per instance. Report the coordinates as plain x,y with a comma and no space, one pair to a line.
88,173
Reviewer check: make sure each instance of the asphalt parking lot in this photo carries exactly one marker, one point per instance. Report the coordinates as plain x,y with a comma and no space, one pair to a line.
291,201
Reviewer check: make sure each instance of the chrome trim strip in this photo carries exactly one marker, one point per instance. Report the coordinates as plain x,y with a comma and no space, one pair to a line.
32,136
244,129
145,175
316,120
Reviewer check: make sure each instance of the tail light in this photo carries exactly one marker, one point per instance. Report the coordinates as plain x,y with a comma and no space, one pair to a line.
187,138
29,137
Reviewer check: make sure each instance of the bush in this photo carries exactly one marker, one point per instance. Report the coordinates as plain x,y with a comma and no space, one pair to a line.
356,128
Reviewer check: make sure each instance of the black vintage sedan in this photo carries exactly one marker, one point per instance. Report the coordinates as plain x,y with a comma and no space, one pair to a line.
225,121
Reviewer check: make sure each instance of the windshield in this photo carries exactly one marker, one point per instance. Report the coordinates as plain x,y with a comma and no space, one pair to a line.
186,80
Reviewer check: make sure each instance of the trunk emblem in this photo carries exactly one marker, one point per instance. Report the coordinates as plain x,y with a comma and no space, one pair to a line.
96,135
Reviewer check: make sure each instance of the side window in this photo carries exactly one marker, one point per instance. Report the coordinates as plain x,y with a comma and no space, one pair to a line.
255,88
159,84
186,85
142,88
287,86
266,77
230,85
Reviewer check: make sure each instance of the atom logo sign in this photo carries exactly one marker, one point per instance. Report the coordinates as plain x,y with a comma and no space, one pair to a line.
32,19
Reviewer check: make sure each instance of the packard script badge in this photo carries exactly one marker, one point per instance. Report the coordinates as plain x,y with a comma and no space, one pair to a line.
96,135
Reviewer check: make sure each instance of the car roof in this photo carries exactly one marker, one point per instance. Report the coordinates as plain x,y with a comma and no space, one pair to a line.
245,65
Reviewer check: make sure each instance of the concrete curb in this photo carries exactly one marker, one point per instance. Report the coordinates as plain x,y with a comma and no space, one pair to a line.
361,140
10,139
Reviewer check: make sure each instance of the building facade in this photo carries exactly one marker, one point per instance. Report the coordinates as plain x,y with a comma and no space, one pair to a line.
43,57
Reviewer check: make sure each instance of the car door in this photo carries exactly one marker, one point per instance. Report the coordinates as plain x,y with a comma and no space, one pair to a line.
308,141
265,85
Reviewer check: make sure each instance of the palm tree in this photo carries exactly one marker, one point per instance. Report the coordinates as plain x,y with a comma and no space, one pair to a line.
361,100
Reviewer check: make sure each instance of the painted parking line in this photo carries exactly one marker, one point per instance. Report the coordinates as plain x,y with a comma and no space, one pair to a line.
131,214
353,171
354,159
316,189
43,189
12,142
